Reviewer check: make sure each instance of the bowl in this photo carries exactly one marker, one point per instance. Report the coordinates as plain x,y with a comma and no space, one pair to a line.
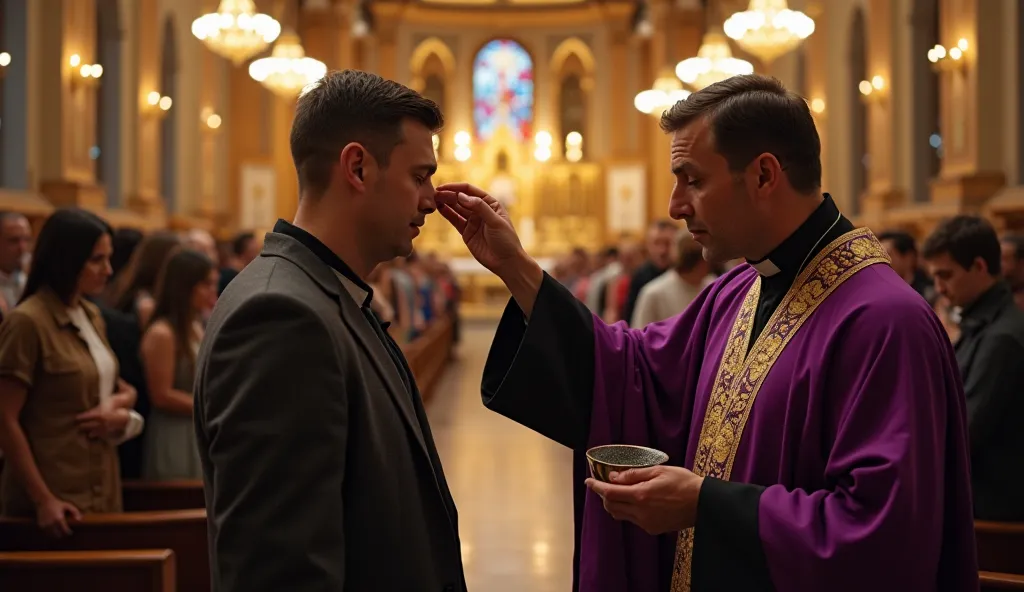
605,460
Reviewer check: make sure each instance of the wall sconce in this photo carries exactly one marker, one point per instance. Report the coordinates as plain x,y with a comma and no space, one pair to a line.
5,60
542,153
873,91
84,74
818,106
157,105
210,120
462,149
574,146
944,60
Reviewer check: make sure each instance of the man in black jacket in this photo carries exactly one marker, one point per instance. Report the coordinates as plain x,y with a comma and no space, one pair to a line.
319,465
963,255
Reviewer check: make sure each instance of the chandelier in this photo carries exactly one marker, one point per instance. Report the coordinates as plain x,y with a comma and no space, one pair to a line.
287,71
235,31
714,63
768,29
667,91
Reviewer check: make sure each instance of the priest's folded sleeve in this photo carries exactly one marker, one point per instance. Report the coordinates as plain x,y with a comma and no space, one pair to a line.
540,373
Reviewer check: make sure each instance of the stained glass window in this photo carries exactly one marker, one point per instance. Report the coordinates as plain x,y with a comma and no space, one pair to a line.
503,90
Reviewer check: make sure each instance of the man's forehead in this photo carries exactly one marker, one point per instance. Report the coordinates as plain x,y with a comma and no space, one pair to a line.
691,141
941,262
417,142
13,224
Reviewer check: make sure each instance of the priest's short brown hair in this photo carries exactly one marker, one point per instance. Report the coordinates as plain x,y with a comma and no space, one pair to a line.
753,114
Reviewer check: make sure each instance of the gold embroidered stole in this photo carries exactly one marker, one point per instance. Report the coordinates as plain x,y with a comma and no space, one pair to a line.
741,374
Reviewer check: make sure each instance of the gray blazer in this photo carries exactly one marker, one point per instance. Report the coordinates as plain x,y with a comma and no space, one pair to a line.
319,467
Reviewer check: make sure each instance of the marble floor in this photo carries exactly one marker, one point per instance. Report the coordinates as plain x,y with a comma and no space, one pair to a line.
512,486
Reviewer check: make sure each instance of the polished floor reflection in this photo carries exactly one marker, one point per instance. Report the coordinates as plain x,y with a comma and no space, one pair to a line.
512,486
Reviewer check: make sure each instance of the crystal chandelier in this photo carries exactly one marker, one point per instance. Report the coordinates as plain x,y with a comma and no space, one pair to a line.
714,63
768,29
287,71
235,31
667,91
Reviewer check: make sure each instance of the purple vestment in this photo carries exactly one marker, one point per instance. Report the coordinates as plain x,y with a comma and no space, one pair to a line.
857,432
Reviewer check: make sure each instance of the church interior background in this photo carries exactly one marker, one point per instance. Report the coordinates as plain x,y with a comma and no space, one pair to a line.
120,107
140,111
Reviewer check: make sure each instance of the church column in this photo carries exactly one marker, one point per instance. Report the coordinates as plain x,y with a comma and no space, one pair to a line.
883,191
815,50
386,20
619,32
659,176
209,122
67,98
344,41
318,28
146,198
972,124
287,188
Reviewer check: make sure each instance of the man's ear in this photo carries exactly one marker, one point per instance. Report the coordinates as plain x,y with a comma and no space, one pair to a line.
979,264
353,161
768,171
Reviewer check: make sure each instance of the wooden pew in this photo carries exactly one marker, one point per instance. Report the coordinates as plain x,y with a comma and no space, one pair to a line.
148,570
154,496
182,531
992,581
1000,546
429,353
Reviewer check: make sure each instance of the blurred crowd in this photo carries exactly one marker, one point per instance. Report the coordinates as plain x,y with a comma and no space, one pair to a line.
99,336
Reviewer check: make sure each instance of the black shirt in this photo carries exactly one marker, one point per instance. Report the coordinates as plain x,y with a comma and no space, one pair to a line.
989,355
785,262
331,259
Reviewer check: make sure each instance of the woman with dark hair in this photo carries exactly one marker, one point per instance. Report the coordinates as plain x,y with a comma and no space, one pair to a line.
186,293
63,409
128,306
126,240
132,291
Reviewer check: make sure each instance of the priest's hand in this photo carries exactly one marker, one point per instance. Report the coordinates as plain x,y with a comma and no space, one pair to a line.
487,231
483,223
657,499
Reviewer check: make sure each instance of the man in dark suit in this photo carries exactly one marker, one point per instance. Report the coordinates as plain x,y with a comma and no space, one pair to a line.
319,466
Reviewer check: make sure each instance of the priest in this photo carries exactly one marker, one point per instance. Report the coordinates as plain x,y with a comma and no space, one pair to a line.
808,400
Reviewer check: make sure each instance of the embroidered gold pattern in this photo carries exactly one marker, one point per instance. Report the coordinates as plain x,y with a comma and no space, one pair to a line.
740,375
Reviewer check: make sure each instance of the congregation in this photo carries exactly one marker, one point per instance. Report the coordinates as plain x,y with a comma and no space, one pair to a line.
139,302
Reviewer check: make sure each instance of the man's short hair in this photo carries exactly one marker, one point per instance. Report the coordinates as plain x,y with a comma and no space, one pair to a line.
964,239
352,106
10,215
663,224
241,243
688,251
1017,242
901,241
753,114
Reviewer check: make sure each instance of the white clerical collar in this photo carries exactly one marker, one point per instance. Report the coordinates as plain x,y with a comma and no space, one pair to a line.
766,268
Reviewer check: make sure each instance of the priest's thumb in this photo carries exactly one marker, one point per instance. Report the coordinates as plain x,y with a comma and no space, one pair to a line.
629,477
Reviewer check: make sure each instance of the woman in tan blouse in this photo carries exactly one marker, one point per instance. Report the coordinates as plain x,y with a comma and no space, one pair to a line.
63,409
